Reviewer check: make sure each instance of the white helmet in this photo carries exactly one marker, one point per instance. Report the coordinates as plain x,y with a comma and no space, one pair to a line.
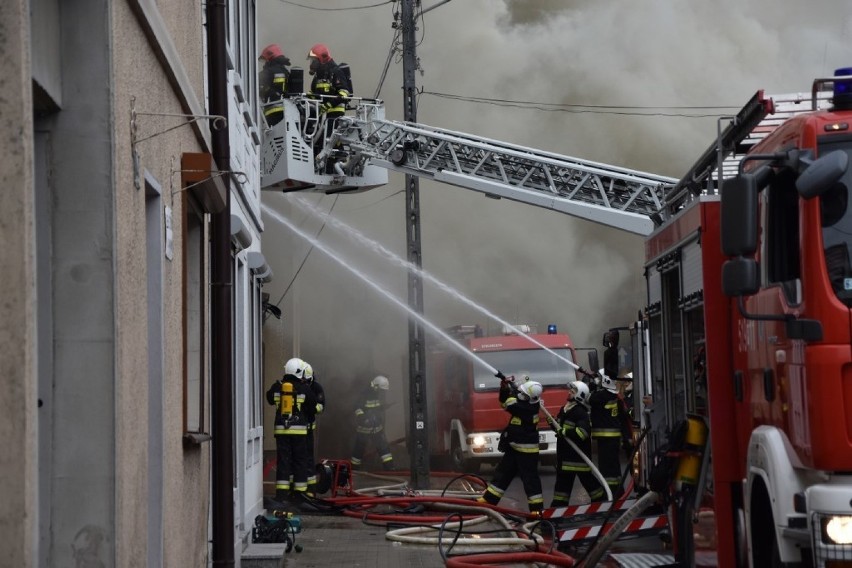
531,391
607,382
295,367
308,372
380,382
581,391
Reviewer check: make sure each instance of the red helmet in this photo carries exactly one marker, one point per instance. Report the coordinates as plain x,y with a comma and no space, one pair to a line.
320,53
271,51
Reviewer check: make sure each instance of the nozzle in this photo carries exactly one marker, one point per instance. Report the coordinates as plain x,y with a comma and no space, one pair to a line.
500,375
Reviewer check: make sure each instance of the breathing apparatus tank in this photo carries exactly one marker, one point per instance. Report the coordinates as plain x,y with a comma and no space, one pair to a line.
287,398
695,441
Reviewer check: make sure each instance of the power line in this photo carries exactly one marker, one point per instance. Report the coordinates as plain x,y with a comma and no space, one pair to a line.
336,9
629,110
304,260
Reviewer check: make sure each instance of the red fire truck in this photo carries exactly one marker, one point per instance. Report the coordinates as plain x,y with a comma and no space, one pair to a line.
465,414
749,332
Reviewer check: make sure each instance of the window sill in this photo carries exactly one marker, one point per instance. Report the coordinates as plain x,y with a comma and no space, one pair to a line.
196,438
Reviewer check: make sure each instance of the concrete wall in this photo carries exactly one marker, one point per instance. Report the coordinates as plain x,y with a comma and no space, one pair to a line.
18,478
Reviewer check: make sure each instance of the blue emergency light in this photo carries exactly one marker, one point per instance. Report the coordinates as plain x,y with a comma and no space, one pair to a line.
551,329
843,88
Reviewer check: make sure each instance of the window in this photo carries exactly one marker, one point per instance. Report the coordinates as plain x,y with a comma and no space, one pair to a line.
782,234
196,318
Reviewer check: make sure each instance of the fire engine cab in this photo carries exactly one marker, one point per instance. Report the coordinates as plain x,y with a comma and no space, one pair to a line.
465,414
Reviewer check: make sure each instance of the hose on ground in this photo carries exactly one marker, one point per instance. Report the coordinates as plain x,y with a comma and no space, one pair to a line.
601,546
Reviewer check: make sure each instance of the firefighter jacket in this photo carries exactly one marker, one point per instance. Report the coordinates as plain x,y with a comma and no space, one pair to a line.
573,423
609,414
522,431
370,414
318,407
273,84
291,418
330,82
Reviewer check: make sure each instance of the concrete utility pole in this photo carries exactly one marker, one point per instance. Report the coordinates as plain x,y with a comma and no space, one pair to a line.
418,433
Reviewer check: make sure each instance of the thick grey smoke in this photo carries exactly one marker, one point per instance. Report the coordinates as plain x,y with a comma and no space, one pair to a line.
529,265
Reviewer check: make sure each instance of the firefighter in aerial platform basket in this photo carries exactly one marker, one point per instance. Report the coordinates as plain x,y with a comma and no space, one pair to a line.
332,84
273,82
291,396
573,423
519,443
370,424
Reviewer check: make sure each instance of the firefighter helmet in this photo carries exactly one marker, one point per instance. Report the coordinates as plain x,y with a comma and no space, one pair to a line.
531,391
271,51
380,382
320,53
295,367
308,372
580,390
607,382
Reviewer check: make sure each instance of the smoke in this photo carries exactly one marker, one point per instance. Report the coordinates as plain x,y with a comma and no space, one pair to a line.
663,59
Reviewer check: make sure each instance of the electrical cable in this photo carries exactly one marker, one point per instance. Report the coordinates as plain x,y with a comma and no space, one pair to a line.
336,9
304,260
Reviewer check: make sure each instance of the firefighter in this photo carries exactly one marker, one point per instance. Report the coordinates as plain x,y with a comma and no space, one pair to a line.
291,397
573,423
333,86
273,82
519,444
319,395
610,419
370,423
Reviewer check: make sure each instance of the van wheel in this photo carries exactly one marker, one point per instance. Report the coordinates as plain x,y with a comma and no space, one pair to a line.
460,464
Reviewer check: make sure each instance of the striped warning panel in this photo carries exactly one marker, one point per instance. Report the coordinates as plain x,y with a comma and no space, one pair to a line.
599,507
641,524
643,560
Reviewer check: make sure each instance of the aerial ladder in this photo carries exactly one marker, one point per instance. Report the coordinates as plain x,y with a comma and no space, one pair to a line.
357,155
363,147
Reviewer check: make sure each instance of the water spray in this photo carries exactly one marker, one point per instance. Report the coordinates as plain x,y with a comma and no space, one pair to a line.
306,205
387,294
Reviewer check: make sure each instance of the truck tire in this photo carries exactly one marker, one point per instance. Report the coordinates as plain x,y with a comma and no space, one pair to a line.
764,543
460,464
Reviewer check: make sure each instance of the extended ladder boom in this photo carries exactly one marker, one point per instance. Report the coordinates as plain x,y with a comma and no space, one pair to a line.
617,197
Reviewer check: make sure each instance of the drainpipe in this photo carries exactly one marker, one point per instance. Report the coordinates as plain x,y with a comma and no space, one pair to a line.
221,299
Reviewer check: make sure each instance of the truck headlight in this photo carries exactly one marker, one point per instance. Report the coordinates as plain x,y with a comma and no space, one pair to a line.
478,441
837,530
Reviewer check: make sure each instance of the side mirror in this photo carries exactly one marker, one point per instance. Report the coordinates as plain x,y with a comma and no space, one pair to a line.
822,174
593,361
739,215
740,277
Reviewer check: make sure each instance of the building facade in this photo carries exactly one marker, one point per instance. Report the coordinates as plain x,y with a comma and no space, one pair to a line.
109,328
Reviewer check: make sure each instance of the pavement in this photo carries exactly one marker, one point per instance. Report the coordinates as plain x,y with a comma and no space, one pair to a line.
331,538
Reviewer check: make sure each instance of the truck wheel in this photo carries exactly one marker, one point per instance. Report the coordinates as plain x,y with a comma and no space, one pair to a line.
460,464
764,543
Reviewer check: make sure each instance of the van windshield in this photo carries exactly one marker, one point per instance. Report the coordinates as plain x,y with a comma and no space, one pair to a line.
542,366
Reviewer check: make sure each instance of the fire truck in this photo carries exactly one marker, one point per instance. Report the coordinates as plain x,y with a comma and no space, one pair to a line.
743,353
465,414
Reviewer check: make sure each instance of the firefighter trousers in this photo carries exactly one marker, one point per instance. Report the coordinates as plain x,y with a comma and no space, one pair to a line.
378,441
565,484
292,465
523,465
609,465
